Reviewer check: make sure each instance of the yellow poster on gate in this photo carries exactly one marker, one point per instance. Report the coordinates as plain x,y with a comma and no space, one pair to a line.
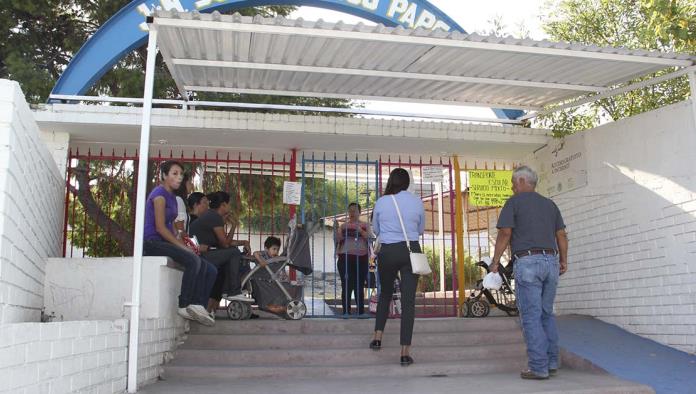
489,188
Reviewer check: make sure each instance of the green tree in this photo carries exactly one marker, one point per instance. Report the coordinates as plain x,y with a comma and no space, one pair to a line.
662,25
41,38
101,212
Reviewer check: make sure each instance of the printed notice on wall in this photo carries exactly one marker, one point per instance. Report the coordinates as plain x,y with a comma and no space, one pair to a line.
432,174
489,188
562,165
292,193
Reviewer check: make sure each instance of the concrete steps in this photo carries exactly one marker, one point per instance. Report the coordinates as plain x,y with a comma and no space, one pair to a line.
316,355
325,347
353,326
392,369
341,356
567,382
342,341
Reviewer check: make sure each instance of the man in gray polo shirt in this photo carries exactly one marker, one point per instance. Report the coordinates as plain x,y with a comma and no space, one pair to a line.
533,225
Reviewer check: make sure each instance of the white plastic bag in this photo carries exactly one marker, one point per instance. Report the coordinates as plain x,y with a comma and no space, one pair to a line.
492,281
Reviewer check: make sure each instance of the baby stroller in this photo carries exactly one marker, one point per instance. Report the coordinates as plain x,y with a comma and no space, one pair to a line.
270,291
480,300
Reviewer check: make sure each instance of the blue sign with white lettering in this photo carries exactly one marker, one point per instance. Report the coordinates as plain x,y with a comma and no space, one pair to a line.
127,30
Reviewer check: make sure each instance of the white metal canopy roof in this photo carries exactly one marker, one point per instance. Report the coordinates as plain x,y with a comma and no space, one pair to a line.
236,54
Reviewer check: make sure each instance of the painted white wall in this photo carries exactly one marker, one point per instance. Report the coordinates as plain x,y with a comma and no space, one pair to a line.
632,229
98,288
31,208
58,144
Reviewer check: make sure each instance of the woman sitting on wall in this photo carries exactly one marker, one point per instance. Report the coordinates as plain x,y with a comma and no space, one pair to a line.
160,239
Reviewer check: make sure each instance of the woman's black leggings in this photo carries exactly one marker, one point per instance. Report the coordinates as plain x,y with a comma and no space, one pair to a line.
393,259
353,270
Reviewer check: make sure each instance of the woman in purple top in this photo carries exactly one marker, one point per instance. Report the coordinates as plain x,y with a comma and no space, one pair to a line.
160,240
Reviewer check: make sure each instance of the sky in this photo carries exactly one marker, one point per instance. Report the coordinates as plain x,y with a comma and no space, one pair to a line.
473,16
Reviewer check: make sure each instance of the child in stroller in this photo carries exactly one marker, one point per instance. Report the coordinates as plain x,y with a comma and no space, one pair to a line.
267,282
504,298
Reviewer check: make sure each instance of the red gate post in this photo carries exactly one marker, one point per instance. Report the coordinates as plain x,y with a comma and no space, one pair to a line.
292,209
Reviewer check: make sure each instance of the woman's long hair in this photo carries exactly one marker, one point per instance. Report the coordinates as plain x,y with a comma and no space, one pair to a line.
398,181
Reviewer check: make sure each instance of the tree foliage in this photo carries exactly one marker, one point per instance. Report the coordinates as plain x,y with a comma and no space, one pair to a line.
660,25
43,36
101,212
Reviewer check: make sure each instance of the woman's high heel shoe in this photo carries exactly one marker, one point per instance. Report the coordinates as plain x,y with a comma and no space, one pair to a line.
406,361
376,344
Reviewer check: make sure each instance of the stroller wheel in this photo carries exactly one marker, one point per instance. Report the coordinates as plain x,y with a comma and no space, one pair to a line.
247,311
468,304
295,310
479,308
237,310
464,310
511,309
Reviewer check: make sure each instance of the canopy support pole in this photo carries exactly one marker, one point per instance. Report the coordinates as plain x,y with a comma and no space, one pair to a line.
143,155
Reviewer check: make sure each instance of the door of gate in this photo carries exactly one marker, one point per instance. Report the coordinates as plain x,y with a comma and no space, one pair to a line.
333,182
432,181
330,184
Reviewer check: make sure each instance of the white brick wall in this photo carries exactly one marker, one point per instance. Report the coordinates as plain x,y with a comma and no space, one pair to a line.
158,339
632,229
64,357
58,144
82,356
31,212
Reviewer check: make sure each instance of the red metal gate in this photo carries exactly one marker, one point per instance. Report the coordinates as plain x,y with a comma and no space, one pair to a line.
101,189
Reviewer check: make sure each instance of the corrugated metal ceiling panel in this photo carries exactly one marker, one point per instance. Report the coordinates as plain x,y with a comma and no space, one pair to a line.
285,47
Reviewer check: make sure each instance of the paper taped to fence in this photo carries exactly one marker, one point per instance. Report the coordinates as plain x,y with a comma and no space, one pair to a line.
489,188
292,193
432,174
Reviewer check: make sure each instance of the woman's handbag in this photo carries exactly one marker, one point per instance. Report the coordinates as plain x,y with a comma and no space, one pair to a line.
419,261
374,299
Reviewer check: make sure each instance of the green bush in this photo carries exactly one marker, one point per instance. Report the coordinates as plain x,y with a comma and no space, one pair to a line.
472,273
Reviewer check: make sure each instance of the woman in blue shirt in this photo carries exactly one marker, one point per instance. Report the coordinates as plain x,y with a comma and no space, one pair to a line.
393,256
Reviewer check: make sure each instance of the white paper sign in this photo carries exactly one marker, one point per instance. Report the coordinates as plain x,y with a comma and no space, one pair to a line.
431,174
563,165
292,193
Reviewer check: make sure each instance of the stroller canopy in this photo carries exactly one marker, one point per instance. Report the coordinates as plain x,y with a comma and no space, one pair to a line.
298,251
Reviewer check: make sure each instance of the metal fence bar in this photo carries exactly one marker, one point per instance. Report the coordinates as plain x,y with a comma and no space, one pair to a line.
254,182
113,189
